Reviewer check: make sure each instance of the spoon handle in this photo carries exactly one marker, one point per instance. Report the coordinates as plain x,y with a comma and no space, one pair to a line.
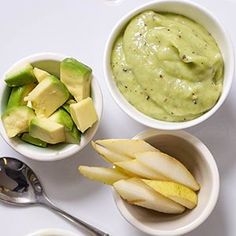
46,202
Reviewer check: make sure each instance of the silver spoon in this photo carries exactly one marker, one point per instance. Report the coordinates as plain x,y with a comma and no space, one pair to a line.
20,186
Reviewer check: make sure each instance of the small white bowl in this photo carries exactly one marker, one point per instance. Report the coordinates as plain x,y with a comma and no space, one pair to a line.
54,232
198,159
200,15
51,63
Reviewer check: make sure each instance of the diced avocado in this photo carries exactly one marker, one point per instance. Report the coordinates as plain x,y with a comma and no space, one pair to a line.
73,136
48,96
20,76
35,141
47,130
40,74
17,95
77,78
16,120
83,114
63,118
66,106
71,133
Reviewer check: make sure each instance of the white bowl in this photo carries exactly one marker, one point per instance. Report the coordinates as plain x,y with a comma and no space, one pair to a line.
54,232
51,63
198,159
192,11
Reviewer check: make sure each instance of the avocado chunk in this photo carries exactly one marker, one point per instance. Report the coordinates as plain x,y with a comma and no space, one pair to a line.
47,130
76,77
40,74
17,95
20,76
35,141
66,106
72,135
16,120
48,96
83,114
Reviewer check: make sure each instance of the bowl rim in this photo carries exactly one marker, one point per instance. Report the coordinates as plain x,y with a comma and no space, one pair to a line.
130,109
74,148
196,142
59,232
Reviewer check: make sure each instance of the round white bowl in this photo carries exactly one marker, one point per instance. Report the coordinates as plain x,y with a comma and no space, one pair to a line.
51,63
200,15
54,232
198,159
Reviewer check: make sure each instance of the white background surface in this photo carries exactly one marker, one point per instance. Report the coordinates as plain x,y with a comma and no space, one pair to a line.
79,28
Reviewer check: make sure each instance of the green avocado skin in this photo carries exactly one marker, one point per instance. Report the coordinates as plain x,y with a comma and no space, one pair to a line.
35,141
73,136
17,95
21,77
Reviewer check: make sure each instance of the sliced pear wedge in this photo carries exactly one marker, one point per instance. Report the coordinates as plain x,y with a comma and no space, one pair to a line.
109,155
126,147
136,192
135,167
102,174
169,167
176,192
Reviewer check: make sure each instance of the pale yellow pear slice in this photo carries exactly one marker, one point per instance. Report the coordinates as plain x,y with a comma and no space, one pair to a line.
126,147
102,174
169,167
176,192
109,155
137,168
136,192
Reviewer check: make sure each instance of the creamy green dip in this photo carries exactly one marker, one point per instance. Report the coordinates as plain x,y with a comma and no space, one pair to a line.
167,66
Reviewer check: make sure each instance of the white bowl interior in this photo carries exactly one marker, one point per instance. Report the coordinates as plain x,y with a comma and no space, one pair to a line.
201,16
197,158
51,63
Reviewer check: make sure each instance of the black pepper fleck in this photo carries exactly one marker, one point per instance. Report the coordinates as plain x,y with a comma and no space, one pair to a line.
147,97
125,70
161,76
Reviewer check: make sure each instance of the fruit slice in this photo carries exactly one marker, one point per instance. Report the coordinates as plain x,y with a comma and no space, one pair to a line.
20,76
48,96
35,141
66,106
169,167
47,130
77,78
136,192
137,168
16,120
17,95
40,74
102,174
126,147
83,114
108,155
176,192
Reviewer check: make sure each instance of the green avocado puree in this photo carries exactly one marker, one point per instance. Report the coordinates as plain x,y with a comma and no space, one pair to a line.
167,66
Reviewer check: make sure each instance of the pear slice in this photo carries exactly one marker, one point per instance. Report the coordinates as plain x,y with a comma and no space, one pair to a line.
176,192
102,174
137,168
169,167
126,147
109,155
136,192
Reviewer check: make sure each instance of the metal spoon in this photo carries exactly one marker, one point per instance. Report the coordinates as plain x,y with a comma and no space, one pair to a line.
20,186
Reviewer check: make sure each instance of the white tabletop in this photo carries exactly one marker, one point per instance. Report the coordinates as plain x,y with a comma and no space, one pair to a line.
80,28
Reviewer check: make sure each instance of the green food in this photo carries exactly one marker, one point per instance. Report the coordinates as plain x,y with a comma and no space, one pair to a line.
20,76
48,96
35,141
167,66
66,106
40,74
16,120
77,78
73,136
47,130
18,94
